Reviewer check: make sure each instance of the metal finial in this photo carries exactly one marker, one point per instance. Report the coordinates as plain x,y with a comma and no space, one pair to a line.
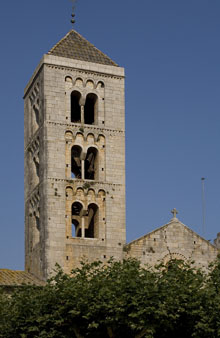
73,14
203,205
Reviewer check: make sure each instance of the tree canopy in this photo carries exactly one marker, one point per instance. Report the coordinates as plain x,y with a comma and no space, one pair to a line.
117,299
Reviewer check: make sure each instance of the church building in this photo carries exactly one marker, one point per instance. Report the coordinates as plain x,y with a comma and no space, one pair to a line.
74,116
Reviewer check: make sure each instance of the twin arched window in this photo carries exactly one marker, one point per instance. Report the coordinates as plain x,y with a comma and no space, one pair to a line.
87,168
84,223
90,108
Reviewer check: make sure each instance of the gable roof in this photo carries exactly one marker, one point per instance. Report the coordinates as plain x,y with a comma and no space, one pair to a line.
172,221
18,278
75,46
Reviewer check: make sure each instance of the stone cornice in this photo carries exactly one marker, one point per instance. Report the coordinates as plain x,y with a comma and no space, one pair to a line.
73,65
84,72
74,126
82,183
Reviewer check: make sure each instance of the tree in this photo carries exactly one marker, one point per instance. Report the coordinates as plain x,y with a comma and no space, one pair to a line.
117,299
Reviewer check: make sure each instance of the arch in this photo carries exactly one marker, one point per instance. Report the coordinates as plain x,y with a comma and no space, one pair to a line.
91,229
76,212
91,193
90,84
91,164
91,109
79,82
69,191
79,138
100,136
101,193
76,161
90,138
75,107
68,79
100,84
101,140
68,135
174,256
80,193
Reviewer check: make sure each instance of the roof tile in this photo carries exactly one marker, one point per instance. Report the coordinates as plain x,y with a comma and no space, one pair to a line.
17,278
74,46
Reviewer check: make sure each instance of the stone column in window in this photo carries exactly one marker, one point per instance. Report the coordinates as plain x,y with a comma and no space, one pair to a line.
83,169
83,226
82,114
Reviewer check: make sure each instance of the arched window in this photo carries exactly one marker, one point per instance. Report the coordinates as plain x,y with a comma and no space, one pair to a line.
75,107
76,219
76,170
91,164
90,110
91,229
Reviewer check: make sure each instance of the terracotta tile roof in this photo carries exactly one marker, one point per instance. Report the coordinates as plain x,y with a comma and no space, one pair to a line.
74,46
17,278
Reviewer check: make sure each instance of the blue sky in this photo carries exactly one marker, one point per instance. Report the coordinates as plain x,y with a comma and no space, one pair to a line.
170,50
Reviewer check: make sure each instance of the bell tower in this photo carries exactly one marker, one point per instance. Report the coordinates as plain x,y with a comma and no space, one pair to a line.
74,158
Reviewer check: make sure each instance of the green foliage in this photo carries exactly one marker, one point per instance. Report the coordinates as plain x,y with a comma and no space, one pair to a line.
118,299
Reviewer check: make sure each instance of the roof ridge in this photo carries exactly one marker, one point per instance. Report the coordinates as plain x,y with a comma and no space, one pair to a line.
94,46
59,42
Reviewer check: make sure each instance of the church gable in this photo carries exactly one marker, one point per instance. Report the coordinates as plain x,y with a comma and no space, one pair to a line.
173,240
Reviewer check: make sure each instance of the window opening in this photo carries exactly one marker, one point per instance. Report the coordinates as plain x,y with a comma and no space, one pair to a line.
76,162
76,219
90,109
75,107
91,164
91,229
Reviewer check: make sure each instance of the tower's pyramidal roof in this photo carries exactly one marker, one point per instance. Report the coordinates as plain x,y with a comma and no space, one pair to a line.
74,46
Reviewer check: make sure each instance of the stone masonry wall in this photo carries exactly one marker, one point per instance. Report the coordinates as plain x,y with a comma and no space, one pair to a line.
173,240
34,149
58,190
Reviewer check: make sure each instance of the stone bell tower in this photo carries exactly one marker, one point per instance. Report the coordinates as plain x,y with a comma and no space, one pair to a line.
74,158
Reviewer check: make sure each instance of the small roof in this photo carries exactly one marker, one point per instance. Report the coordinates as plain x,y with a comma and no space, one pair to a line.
74,46
18,278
